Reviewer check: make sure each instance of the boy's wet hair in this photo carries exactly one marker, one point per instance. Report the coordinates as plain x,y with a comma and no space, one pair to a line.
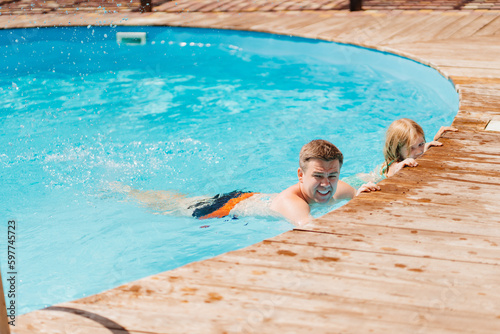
319,149
398,139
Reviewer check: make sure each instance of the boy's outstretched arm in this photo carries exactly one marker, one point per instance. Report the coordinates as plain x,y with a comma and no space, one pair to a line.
345,191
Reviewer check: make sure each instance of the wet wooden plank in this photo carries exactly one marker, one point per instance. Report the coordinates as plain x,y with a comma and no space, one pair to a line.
422,216
480,98
357,236
345,288
270,313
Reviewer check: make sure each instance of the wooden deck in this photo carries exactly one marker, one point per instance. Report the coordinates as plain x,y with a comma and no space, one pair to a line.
421,256
61,7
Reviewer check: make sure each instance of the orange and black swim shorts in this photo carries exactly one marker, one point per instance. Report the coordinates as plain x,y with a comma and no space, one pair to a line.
220,205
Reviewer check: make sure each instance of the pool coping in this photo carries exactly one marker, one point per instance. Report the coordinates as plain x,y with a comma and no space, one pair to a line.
411,188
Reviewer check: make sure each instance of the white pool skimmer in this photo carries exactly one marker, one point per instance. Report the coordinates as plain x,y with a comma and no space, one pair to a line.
131,38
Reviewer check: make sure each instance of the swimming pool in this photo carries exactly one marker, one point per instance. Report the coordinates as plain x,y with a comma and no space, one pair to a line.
192,110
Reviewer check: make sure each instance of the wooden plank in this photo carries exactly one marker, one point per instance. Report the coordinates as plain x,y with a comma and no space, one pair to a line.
276,22
420,216
450,52
401,241
68,319
479,97
352,267
214,5
342,284
310,23
232,6
242,21
451,29
357,27
471,123
473,27
175,6
199,20
195,7
287,21
491,28
313,26
428,27
276,313
401,30
227,285
4,322
430,33
489,90
481,117
465,80
471,72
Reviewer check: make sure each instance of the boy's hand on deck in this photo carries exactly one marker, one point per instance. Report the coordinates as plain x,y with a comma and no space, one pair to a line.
367,187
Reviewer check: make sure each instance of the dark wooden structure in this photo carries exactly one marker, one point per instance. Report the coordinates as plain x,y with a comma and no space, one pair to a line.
146,6
355,5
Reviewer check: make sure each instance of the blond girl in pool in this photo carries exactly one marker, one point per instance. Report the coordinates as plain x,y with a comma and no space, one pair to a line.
405,142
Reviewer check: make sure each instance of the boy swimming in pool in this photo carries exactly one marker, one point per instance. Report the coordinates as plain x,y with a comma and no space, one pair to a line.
320,162
319,171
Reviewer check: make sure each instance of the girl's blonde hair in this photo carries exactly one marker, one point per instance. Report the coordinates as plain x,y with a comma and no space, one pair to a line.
398,139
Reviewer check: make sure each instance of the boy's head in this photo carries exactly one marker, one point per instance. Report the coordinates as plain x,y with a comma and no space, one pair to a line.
320,162
319,149
401,135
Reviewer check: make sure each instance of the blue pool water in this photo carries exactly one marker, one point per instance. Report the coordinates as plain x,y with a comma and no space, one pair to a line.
196,111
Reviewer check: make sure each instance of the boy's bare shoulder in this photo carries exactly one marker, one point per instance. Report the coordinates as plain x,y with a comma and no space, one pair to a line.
292,206
287,195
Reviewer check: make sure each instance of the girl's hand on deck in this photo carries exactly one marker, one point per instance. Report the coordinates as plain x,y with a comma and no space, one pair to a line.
432,143
409,162
442,130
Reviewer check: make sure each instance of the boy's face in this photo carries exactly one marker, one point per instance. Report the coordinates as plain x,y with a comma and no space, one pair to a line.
318,182
417,148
